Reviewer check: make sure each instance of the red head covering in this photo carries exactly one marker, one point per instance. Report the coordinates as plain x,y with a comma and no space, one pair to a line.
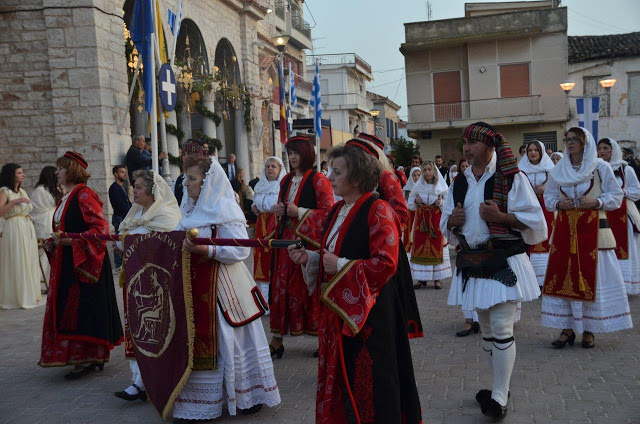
192,147
302,146
77,157
373,139
364,146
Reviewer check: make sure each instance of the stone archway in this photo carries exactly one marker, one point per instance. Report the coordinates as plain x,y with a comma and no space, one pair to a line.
231,130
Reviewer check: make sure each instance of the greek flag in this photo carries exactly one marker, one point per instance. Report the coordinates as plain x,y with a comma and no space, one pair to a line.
588,111
292,89
174,20
316,102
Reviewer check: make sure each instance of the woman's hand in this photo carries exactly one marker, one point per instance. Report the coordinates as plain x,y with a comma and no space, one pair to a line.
329,262
189,246
20,201
49,245
539,190
255,210
280,209
586,202
565,204
299,256
438,201
417,200
292,210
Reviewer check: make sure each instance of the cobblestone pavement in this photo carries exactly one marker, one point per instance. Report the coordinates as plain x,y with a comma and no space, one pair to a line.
573,385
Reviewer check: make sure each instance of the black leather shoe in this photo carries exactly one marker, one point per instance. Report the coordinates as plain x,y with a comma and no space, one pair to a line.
475,327
254,409
142,395
559,344
86,370
493,409
484,395
588,344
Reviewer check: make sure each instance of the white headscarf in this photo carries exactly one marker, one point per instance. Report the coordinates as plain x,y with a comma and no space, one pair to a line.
216,204
452,173
564,174
557,153
410,183
162,215
265,186
423,188
545,164
616,160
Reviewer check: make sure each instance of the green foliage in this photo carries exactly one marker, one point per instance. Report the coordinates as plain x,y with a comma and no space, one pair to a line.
246,102
209,140
173,130
402,151
175,160
459,145
202,110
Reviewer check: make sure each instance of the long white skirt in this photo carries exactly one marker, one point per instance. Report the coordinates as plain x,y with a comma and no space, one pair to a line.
608,313
432,272
631,267
539,262
244,377
482,293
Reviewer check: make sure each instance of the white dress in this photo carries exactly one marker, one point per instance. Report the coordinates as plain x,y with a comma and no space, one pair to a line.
19,264
245,376
610,310
44,206
482,293
421,272
539,261
631,267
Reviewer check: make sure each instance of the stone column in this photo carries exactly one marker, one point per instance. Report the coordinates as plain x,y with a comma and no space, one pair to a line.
208,125
185,123
242,145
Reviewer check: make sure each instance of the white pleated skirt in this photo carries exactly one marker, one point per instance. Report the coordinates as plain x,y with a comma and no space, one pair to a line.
608,313
539,262
244,377
474,315
631,267
432,272
482,293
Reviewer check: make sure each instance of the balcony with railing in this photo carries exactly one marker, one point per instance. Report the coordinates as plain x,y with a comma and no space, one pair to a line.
439,115
279,7
300,25
341,59
346,101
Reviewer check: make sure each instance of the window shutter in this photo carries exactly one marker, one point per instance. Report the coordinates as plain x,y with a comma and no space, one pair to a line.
514,80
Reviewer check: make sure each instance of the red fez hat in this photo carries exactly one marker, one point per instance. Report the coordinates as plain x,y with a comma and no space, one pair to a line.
78,158
373,139
364,146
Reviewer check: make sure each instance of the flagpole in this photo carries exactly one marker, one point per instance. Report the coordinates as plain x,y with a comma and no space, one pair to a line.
154,113
315,128
175,36
133,86
163,129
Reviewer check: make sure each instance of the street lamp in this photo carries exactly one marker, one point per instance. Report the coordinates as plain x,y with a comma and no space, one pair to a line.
374,113
567,86
607,83
281,42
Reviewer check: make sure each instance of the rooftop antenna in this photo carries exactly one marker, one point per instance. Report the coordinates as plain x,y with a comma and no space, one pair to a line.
428,10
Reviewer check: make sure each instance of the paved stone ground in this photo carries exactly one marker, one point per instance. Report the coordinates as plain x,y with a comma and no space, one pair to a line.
573,385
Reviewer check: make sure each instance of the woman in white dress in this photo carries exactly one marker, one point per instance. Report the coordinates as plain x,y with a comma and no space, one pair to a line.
265,199
19,269
555,157
583,290
44,199
429,254
154,209
536,164
627,233
414,176
244,377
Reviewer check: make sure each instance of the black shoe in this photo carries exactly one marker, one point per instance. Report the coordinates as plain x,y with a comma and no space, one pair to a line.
86,370
437,285
277,352
316,354
254,409
475,327
559,344
420,285
142,395
586,344
484,395
493,409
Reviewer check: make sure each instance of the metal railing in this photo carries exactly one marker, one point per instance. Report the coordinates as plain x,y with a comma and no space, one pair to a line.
475,109
301,25
344,99
279,6
339,59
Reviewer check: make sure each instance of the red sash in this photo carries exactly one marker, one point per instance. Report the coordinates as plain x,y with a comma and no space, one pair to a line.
618,222
573,257
204,286
548,216
428,240
265,228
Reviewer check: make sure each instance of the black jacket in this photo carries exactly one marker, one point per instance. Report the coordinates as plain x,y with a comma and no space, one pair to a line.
135,160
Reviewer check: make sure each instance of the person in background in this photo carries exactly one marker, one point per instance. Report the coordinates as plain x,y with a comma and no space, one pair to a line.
324,167
414,176
634,163
555,157
146,153
453,173
120,204
19,264
416,160
549,152
230,167
44,199
440,165
190,147
135,159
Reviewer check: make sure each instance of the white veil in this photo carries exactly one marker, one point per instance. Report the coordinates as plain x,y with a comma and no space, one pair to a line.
564,174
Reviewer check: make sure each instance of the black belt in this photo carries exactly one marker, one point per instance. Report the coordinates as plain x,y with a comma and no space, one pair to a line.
604,223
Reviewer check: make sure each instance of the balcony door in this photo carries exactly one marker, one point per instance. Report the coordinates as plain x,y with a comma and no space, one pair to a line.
447,95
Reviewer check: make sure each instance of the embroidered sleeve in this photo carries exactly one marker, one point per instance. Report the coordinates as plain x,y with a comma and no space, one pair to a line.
311,225
392,193
88,256
352,292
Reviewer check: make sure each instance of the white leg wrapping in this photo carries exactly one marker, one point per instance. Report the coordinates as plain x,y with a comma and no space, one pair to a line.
487,334
504,349
137,377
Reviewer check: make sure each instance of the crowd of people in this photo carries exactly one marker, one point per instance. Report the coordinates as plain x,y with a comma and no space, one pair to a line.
563,225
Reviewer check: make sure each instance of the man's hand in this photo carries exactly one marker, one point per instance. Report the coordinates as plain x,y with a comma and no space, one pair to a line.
163,155
489,212
329,262
457,217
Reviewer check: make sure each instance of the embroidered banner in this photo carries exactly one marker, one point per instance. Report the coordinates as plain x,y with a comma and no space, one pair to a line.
160,313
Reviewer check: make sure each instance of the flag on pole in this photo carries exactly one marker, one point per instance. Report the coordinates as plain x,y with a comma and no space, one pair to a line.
588,112
316,102
293,99
283,111
141,29
174,20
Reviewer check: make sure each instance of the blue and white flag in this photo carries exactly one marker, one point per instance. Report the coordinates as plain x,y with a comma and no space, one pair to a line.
292,89
316,102
174,20
588,112
289,121
141,29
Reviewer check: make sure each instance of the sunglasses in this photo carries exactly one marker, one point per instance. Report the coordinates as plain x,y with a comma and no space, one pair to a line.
571,140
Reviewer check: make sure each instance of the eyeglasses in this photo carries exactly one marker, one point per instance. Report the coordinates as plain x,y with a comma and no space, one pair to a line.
571,140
